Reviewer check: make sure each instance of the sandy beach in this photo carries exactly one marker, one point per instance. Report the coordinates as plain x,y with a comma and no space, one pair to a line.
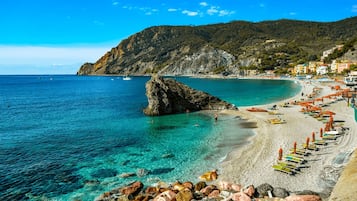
252,164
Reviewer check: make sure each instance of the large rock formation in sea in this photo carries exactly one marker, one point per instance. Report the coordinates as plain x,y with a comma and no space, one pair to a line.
168,96
226,48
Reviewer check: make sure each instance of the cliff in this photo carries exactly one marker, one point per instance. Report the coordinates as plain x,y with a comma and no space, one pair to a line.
221,48
167,96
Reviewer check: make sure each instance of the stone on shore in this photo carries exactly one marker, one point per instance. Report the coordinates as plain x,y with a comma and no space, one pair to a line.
168,96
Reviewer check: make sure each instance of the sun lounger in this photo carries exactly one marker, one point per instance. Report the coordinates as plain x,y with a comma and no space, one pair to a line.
301,152
283,169
289,165
277,121
329,137
294,158
310,147
320,142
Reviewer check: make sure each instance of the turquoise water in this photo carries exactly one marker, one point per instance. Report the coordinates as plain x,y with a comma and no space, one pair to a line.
70,138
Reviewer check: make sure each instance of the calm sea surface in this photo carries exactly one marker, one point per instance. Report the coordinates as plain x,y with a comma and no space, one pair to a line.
71,138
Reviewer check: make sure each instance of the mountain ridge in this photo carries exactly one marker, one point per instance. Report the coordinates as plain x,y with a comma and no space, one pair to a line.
223,47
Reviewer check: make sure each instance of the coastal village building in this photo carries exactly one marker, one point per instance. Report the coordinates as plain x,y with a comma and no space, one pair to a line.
301,69
338,66
322,70
330,51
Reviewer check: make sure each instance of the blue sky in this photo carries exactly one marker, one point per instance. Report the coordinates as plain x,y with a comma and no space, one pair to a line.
57,36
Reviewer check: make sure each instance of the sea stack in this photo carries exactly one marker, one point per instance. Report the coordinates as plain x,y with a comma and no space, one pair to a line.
168,96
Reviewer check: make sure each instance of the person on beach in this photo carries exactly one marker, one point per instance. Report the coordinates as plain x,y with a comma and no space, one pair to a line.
215,116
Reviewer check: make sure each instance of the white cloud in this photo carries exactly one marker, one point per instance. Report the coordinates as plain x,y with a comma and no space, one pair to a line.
212,10
225,12
354,8
115,3
262,5
172,9
204,4
292,13
190,13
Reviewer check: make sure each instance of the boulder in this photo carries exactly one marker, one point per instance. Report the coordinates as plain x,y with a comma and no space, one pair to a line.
168,96
250,190
240,196
184,195
168,195
280,192
133,189
200,185
303,198
262,190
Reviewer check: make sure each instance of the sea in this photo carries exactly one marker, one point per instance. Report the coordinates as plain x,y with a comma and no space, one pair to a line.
68,137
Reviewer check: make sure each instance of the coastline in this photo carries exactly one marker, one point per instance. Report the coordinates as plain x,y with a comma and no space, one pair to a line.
252,163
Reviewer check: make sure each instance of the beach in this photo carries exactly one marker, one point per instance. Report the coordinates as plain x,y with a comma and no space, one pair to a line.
252,164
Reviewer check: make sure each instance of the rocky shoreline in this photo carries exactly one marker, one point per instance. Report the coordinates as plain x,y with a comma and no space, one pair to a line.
187,191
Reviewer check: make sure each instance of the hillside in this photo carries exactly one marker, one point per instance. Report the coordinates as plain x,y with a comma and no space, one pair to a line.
226,47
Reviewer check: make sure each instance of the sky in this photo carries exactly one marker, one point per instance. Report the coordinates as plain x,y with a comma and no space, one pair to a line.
58,36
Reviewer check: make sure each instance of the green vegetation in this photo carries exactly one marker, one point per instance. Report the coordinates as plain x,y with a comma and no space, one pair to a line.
276,44
349,45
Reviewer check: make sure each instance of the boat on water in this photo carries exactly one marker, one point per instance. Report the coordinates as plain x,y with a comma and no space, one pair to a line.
126,78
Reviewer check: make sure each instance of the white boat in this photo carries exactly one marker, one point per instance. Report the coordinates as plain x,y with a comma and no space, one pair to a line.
126,78
351,79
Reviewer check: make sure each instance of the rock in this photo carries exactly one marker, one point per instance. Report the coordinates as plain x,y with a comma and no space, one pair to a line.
280,192
249,191
188,185
151,190
214,194
168,195
126,175
209,176
142,172
228,186
167,96
184,195
303,198
200,185
240,197
262,190
133,189
207,190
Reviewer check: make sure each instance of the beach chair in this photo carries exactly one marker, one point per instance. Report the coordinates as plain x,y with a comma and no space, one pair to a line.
320,142
329,137
283,169
301,152
310,147
294,159
292,166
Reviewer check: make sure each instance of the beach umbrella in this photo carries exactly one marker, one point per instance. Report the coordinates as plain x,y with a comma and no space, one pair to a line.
328,112
294,147
280,156
307,142
331,119
313,137
321,132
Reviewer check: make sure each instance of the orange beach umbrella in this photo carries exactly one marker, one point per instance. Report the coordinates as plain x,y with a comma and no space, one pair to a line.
280,156
294,147
313,137
321,132
307,142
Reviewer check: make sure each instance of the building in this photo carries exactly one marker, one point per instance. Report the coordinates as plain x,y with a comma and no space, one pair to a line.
322,70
